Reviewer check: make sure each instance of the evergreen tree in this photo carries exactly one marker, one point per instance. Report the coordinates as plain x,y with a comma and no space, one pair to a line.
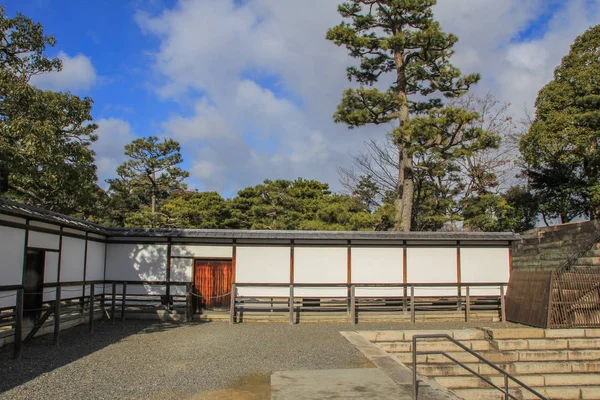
402,38
45,136
150,175
562,148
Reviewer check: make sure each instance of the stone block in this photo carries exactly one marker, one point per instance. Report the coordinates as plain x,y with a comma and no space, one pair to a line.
590,393
395,347
558,393
572,379
592,333
543,355
590,366
389,336
519,333
408,334
584,343
468,334
565,333
547,344
539,368
520,344
585,355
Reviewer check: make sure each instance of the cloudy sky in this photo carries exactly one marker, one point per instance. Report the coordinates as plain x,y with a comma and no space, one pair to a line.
248,87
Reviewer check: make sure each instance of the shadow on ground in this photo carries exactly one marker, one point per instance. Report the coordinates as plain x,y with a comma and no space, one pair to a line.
41,356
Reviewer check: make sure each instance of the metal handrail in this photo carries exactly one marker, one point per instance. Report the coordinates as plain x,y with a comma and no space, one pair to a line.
568,264
506,375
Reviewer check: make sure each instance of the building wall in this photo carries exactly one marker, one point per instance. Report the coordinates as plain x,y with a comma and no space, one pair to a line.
320,265
11,261
263,264
377,265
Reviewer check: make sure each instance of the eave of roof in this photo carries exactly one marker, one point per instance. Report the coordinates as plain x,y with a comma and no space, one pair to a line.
17,209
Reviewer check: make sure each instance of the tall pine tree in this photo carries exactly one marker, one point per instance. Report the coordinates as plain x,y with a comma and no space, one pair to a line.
401,38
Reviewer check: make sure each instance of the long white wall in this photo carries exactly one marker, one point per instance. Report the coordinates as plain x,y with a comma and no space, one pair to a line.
484,265
11,261
378,265
263,265
137,262
429,265
320,265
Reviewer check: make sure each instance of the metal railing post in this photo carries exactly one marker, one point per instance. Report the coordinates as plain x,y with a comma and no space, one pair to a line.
506,396
232,305
414,366
18,324
412,305
291,305
502,304
353,304
91,308
113,303
468,305
57,315
123,298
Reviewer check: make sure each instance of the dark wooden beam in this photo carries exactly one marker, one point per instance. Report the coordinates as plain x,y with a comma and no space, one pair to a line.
292,262
234,261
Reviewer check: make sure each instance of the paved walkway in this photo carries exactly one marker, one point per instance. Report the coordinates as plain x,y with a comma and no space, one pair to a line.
389,380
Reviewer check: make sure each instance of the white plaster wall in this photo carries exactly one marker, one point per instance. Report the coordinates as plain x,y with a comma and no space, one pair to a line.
181,271
95,261
320,265
136,262
50,273
378,265
484,265
200,251
71,267
429,265
263,265
43,240
11,261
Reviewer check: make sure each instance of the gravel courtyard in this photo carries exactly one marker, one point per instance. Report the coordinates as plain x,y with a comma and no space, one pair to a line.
148,360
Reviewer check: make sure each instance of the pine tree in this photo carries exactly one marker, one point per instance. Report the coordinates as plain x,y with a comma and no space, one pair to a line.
402,38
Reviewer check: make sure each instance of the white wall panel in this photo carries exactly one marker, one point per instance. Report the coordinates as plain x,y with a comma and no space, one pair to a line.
430,264
484,265
71,266
43,240
136,262
320,265
181,271
262,265
95,261
12,241
199,251
378,265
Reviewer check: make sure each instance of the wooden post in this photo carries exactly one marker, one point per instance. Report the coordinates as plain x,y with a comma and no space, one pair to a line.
18,324
353,304
291,305
502,304
189,312
114,301
232,305
412,304
468,308
57,315
458,277
91,308
123,298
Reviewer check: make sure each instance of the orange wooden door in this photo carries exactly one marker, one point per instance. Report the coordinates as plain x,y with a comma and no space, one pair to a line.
212,280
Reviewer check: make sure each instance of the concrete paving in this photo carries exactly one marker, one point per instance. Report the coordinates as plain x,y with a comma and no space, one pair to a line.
362,383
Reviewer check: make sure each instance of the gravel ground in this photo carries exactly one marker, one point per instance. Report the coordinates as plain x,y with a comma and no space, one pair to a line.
146,360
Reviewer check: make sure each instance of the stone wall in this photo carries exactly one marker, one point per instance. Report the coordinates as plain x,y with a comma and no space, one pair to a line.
548,248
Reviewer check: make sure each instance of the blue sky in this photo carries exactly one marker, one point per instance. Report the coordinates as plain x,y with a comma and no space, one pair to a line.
249,87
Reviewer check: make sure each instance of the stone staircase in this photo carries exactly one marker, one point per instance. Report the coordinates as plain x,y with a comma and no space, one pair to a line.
590,259
560,364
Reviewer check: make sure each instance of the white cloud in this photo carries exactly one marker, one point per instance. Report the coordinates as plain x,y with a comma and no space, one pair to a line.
77,73
113,135
241,132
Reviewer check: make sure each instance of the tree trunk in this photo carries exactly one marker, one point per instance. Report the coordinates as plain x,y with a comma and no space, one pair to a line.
405,192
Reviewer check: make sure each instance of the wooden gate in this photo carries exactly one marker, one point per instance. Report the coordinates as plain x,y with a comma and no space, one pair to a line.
212,281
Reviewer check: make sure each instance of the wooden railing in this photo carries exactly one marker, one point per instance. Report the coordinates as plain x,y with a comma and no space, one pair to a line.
460,300
98,299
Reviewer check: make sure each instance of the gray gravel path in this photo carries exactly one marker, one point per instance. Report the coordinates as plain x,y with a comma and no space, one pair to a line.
145,360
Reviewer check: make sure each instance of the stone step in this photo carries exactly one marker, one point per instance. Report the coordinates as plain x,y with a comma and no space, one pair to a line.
547,344
559,392
588,261
407,335
514,368
430,345
538,333
542,380
503,357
